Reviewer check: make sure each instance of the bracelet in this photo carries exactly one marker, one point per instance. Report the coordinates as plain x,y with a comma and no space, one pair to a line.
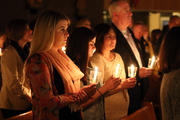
99,92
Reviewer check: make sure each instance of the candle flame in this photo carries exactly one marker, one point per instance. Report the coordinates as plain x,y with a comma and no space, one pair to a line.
64,49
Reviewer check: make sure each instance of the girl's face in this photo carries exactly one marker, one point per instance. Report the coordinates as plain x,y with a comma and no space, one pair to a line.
109,40
92,47
61,34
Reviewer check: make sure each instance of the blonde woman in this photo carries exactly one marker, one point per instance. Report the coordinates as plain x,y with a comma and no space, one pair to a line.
53,78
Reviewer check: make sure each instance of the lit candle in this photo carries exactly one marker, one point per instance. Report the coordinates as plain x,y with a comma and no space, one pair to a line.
132,70
95,75
117,71
152,62
64,49
94,51
0,52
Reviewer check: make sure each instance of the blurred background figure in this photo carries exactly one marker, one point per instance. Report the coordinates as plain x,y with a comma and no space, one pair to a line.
13,100
147,42
174,21
141,33
169,65
155,35
2,41
2,37
84,22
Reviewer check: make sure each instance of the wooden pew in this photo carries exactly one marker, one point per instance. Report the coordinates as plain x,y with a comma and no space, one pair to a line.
23,116
145,113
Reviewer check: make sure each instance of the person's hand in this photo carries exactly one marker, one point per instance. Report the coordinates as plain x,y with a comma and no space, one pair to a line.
112,83
128,83
145,72
86,92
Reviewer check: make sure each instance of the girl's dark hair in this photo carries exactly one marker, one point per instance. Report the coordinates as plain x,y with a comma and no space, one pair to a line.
16,29
154,34
77,48
101,30
169,57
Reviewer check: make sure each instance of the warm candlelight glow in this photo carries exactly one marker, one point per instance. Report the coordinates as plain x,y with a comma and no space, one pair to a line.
64,49
132,71
95,75
117,71
94,51
0,52
151,62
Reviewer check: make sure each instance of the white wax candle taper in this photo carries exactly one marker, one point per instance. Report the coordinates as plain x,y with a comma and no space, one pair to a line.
117,69
0,52
95,75
152,62
132,70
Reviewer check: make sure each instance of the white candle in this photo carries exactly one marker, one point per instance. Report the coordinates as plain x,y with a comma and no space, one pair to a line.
132,70
152,62
95,74
0,52
117,69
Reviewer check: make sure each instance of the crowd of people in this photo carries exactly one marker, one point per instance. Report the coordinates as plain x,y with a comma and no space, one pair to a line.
91,79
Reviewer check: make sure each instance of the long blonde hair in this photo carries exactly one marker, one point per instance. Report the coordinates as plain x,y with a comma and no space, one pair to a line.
43,37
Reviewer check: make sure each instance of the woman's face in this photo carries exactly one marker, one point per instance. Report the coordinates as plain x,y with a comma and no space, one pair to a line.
92,47
28,34
109,40
61,34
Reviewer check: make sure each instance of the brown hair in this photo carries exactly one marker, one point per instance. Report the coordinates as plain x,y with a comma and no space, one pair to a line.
169,57
16,29
77,48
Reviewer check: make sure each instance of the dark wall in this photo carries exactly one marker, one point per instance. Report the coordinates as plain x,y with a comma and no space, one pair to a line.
12,9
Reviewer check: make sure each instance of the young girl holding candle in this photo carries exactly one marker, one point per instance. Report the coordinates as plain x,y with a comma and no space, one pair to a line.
116,101
80,48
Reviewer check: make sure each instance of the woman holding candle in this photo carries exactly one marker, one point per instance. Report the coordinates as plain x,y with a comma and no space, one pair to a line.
80,48
53,78
169,64
116,101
